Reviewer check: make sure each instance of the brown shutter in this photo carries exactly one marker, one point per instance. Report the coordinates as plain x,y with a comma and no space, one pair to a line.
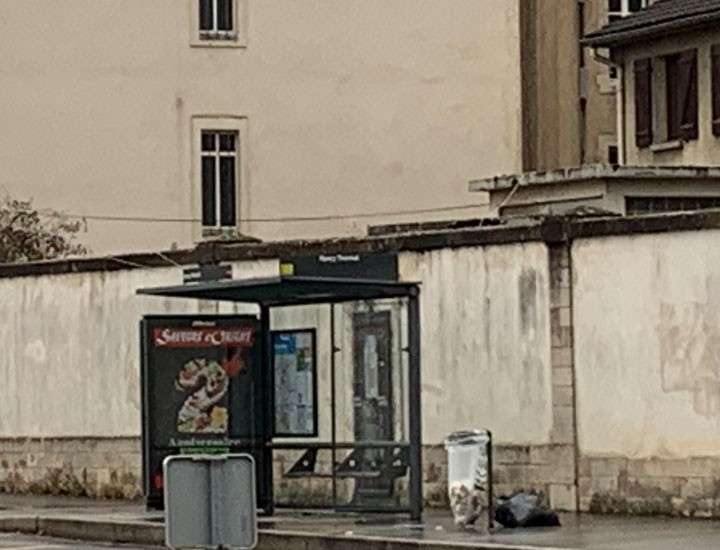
674,97
643,102
716,90
687,65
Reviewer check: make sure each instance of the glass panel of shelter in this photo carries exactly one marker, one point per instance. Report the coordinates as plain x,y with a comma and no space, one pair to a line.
358,456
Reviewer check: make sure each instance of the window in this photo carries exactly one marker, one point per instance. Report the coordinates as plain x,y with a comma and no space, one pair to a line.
613,155
216,19
666,104
635,206
617,9
681,90
219,169
716,90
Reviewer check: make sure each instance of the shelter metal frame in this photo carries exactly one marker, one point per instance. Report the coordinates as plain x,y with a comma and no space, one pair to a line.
281,291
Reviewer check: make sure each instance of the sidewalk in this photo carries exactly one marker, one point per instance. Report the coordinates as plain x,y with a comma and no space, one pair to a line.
110,521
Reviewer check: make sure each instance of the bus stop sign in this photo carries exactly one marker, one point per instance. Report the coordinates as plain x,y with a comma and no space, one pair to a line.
210,502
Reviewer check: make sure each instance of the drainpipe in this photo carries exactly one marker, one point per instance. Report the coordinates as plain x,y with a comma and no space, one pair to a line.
620,101
507,199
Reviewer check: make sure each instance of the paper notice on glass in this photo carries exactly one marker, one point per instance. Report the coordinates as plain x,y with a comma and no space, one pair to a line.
294,383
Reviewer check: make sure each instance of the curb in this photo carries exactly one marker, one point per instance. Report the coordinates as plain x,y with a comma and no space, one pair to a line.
287,540
148,534
21,524
128,532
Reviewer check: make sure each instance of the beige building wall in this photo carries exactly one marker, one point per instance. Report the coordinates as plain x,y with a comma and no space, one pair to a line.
703,151
569,97
599,89
343,108
550,84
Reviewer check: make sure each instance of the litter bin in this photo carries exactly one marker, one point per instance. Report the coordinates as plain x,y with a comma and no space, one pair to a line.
469,458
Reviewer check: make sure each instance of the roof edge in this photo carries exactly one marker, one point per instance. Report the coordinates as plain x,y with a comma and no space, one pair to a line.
608,38
593,172
549,230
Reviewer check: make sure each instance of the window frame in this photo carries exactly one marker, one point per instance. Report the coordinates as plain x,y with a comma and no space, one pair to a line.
217,154
614,15
666,94
235,38
664,204
238,126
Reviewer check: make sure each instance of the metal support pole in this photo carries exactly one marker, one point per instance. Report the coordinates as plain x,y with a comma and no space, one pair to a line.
415,409
491,496
333,404
266,479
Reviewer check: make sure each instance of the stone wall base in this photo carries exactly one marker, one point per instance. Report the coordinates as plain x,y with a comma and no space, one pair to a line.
93,467
544,469
111,468
680,487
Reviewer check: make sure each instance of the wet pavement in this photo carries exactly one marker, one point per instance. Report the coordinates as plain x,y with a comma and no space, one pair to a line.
578,532
12,541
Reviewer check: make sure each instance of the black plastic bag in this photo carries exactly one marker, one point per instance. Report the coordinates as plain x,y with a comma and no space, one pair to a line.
524,510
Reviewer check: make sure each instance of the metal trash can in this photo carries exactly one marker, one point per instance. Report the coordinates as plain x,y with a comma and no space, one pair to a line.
469,459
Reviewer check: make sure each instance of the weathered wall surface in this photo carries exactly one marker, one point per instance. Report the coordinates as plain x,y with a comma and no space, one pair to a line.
71,364
71,352
593,363
648,387
70,413
345,102
485,341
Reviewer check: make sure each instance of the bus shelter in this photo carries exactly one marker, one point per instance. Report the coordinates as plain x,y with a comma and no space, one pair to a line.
365,456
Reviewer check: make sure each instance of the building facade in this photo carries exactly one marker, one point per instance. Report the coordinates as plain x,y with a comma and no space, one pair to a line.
569,93
670,94
165,123
662,66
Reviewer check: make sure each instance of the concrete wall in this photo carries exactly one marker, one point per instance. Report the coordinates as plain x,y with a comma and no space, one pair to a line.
485,341
700,152
594,364
72,375
342,103
70,360
648,389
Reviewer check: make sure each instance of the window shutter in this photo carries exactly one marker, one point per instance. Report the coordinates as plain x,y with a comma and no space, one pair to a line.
643,102
716,90
687,69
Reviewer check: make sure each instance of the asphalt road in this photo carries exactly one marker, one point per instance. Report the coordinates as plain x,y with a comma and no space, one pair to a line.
12,541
